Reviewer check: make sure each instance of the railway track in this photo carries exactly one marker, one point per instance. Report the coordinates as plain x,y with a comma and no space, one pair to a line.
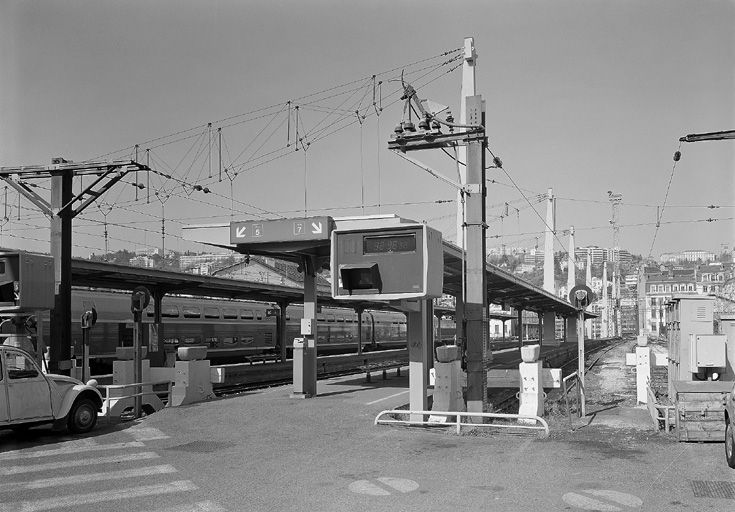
247,376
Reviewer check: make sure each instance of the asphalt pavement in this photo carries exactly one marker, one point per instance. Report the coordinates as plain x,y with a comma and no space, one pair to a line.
266,451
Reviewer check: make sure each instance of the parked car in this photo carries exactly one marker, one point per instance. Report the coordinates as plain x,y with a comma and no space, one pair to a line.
28,397
730,427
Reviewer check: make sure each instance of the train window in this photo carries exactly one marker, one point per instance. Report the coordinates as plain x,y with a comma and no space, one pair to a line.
330,318
259,315
171,341
212,341
229,313
150,313
170,311
247,314
288,317
192,340
340,319
192,311
211,312
320,317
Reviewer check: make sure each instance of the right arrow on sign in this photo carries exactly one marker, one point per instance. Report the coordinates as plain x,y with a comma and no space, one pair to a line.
316,227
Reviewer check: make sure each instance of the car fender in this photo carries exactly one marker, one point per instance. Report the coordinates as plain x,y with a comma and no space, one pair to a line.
76,391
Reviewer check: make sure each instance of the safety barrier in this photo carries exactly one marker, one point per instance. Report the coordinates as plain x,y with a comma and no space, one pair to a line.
459,423
657,411
114,407
574,376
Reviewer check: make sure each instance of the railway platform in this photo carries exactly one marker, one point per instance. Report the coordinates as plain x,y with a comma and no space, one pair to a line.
263,451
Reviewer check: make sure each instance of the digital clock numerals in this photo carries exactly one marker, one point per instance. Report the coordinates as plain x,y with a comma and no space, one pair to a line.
388,244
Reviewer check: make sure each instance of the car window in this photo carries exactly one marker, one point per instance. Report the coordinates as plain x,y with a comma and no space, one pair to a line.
20,366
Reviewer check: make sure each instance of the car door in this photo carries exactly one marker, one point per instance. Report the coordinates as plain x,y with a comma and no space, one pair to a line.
4,410
29,395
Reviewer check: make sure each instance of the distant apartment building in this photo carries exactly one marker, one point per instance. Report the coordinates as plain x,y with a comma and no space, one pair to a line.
601,255
148,251
204,261
693,256
711,278
142,261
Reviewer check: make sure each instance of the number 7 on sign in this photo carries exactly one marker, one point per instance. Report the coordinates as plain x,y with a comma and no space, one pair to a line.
298,228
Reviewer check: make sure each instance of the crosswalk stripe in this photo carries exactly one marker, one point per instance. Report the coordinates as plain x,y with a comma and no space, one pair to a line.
87,478
75,500
202,506
146,433
35,468
68,450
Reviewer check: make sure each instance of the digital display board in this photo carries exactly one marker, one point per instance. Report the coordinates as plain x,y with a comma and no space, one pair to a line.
389,244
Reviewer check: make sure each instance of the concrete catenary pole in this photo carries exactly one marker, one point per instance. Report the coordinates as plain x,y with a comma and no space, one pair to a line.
571,270
468,89
605,306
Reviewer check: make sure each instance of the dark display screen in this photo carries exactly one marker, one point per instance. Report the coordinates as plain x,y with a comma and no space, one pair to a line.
394,243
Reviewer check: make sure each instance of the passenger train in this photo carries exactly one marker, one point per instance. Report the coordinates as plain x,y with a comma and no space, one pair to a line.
233,330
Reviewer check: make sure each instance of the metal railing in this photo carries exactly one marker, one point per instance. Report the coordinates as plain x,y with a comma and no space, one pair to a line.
658,412
455,418
138,385
577,384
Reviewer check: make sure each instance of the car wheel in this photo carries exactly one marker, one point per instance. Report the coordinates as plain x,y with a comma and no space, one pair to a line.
730,444
83,416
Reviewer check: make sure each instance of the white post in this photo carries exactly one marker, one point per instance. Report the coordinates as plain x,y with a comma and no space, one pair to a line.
571,271
418,364
468,89
549,243
588,282
605,306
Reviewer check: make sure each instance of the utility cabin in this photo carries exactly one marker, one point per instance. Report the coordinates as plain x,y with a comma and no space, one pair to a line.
700,367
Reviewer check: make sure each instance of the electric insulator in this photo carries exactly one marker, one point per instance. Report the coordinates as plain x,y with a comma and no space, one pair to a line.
497,162
450,117
409,126
198,188
677,156
424,124
206,190
435,125
140,186
398,128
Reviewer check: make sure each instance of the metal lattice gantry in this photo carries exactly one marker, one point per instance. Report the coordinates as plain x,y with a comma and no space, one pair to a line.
61,208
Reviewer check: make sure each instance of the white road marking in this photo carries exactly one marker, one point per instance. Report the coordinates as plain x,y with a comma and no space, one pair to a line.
68,450
76,500
389,484
35,468
202,506
602,500
403,485
388,397
146,433
86,478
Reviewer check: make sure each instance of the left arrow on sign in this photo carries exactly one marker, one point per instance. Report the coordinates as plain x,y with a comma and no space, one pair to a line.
240,232
316,227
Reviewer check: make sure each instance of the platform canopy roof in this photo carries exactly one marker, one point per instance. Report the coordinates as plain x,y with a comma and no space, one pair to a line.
503,287
99,274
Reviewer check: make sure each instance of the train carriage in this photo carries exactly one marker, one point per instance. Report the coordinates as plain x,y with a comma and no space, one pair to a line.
233,330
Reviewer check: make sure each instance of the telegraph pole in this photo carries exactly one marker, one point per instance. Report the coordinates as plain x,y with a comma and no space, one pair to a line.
472,135
615,200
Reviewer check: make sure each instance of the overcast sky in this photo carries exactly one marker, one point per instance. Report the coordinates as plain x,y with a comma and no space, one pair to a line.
581,96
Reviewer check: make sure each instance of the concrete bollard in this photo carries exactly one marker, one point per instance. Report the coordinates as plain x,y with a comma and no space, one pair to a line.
531,396
448,382
193,381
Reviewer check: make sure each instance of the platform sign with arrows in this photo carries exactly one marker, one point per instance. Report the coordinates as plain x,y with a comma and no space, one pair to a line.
303,229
